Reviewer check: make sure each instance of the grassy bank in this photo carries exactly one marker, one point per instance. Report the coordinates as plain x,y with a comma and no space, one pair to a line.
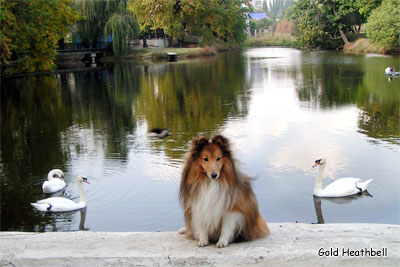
362,45
278,39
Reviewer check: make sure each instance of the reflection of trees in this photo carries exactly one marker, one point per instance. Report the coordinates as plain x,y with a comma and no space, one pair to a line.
37,112
103,100
381,121
327,79
336,79
192,98
379,102
31,120
48,121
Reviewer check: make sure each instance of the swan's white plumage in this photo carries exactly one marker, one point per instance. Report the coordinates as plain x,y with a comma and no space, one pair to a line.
54,183
62,204
339,188
58,204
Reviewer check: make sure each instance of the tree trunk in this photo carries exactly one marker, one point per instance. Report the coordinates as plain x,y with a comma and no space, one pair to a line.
346,41
274,28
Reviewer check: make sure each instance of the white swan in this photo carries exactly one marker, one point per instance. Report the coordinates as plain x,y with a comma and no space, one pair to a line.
55,182
339,188
60,204
388,70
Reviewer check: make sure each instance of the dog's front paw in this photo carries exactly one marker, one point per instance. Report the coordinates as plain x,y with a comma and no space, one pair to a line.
182,230
202,243
222,244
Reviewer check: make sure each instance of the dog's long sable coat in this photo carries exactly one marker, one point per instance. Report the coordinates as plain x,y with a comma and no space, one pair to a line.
218,202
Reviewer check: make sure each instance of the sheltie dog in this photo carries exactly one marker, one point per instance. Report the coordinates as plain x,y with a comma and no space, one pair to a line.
219,204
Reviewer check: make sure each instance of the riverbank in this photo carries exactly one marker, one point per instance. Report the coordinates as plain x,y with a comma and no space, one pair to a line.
138,54
362,45
267,39
289,244
155,53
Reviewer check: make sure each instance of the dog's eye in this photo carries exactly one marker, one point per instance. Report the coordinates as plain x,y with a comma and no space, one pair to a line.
219,158
205,159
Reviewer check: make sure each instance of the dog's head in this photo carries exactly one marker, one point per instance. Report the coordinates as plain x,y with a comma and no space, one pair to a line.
211,154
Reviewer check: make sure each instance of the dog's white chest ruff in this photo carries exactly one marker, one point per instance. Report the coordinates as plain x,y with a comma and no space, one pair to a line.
212,203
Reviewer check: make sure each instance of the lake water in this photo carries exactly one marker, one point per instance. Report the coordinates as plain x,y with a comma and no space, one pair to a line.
281,108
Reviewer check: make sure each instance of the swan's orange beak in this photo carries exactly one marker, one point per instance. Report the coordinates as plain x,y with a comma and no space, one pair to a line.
316,164
85,180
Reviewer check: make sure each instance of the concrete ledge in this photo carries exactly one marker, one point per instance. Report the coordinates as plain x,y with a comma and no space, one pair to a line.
289,244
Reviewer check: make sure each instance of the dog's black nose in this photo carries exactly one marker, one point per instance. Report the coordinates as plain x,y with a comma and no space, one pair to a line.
214,175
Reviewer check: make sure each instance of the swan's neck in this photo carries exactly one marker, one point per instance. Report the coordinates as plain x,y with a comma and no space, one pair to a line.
318,179
81,193
50,176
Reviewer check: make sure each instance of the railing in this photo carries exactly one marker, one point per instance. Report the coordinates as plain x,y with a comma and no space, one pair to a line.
84,46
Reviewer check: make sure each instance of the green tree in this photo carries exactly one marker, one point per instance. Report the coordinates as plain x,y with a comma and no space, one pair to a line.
163,14
310,25
31,30
343,15
94,17
322,23
122,27
206,18
8,22
102,18
383,27
260,24
276,11
365,7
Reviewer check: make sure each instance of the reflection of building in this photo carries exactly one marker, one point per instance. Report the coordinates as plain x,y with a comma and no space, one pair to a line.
257,4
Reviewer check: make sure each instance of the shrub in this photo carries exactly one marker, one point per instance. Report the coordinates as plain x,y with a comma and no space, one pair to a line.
383,26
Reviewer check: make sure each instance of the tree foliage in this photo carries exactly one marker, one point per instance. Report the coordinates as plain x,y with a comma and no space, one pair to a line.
207,18
322,23
342,14
104,18
8,22
95,14
31,30
123,28
310,24
276,10
365,7
260,24
383,27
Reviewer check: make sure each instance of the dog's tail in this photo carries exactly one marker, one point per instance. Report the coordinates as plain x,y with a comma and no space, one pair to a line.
260,229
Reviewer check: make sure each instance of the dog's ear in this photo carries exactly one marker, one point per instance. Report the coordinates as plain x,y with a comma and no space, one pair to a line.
223,143
198,142
197,145
220,140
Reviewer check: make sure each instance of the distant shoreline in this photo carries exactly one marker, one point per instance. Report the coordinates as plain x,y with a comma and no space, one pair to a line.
153,54
137,54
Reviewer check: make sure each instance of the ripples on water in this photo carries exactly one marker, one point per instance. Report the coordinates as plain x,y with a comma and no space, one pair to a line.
281,108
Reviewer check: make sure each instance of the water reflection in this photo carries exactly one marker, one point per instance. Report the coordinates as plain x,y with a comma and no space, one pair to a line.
194,98
82,221
58,121
337,200
282,108
355,80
